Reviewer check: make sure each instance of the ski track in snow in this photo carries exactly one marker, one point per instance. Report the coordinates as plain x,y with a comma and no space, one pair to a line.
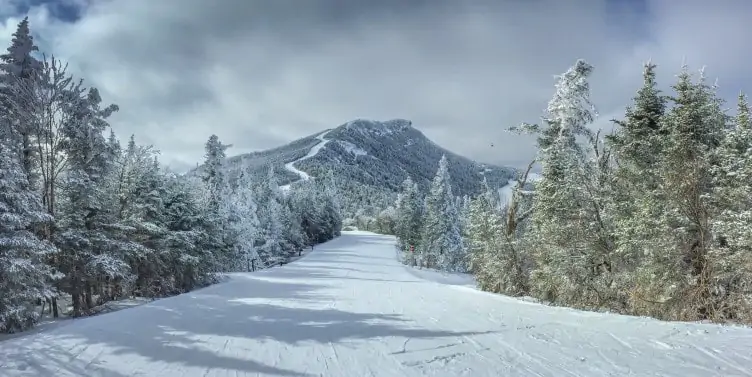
350,309
290,166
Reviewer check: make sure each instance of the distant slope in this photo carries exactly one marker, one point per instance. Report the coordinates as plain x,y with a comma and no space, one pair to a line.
290,166
383,154
257,163
370,159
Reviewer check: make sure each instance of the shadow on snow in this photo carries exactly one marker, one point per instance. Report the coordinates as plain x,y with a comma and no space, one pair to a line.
171,330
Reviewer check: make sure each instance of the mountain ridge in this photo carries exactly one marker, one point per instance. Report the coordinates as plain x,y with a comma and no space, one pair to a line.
370,159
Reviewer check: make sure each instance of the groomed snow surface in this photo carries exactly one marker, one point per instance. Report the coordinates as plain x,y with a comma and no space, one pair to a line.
349,309
290,166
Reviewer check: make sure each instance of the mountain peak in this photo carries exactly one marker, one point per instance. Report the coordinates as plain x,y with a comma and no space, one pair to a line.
369,124
370,159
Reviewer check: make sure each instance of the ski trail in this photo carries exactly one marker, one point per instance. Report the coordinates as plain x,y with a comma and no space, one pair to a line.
290,166
350,309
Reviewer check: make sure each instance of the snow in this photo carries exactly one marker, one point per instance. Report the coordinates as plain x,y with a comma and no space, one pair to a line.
352,148
367,126
290,166
442,277
348,309
505,193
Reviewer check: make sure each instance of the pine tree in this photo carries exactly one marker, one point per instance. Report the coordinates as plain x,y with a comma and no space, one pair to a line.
24,274
216,191
731,255
673,280
330,209
637,141
40,101
637,145
441,244
270,216
386,220
409,223
190,246
482,236
91,249
213,175
495,236
135,188
245,223
292,222
303,202
18,68
569,238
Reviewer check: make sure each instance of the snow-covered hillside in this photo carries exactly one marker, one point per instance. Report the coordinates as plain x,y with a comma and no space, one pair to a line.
369,160
290,166
350,309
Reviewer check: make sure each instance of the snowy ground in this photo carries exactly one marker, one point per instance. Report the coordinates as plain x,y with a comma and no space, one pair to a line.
350,309
290,166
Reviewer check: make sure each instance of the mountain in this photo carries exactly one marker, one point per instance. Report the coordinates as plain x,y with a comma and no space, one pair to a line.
370,159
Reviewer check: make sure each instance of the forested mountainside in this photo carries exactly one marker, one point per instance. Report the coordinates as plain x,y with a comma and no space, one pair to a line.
384,154
369,160
258,163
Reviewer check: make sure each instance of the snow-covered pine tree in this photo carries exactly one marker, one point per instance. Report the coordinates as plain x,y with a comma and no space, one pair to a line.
135,187
482,236
18,68
89,252
386,220
244,223
409,224
568,238
463,211
189,245
38,103
636,142
271,234
637,146
24,273
292,222
305,202
214,174
150,229
215,184
730,257
330,207
441,242
494,237
673,280
300,207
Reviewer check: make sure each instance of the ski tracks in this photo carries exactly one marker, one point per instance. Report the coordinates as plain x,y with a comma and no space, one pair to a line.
350,309
290,166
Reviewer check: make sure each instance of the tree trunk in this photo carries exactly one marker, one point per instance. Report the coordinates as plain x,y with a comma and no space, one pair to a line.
54,308
87,296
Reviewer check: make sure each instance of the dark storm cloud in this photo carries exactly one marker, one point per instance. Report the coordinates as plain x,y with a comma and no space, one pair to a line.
262,73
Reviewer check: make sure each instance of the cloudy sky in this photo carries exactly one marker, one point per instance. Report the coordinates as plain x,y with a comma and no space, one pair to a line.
261,73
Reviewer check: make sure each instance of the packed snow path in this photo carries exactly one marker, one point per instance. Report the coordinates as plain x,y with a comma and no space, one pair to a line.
349,309
290,166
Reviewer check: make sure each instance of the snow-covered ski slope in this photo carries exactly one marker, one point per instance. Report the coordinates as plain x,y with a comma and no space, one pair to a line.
349,309
290,166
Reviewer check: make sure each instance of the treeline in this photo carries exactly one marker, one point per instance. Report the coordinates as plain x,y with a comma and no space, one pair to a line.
85,220
653,219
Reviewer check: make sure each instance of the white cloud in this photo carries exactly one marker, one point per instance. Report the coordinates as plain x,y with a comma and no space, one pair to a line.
261,73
